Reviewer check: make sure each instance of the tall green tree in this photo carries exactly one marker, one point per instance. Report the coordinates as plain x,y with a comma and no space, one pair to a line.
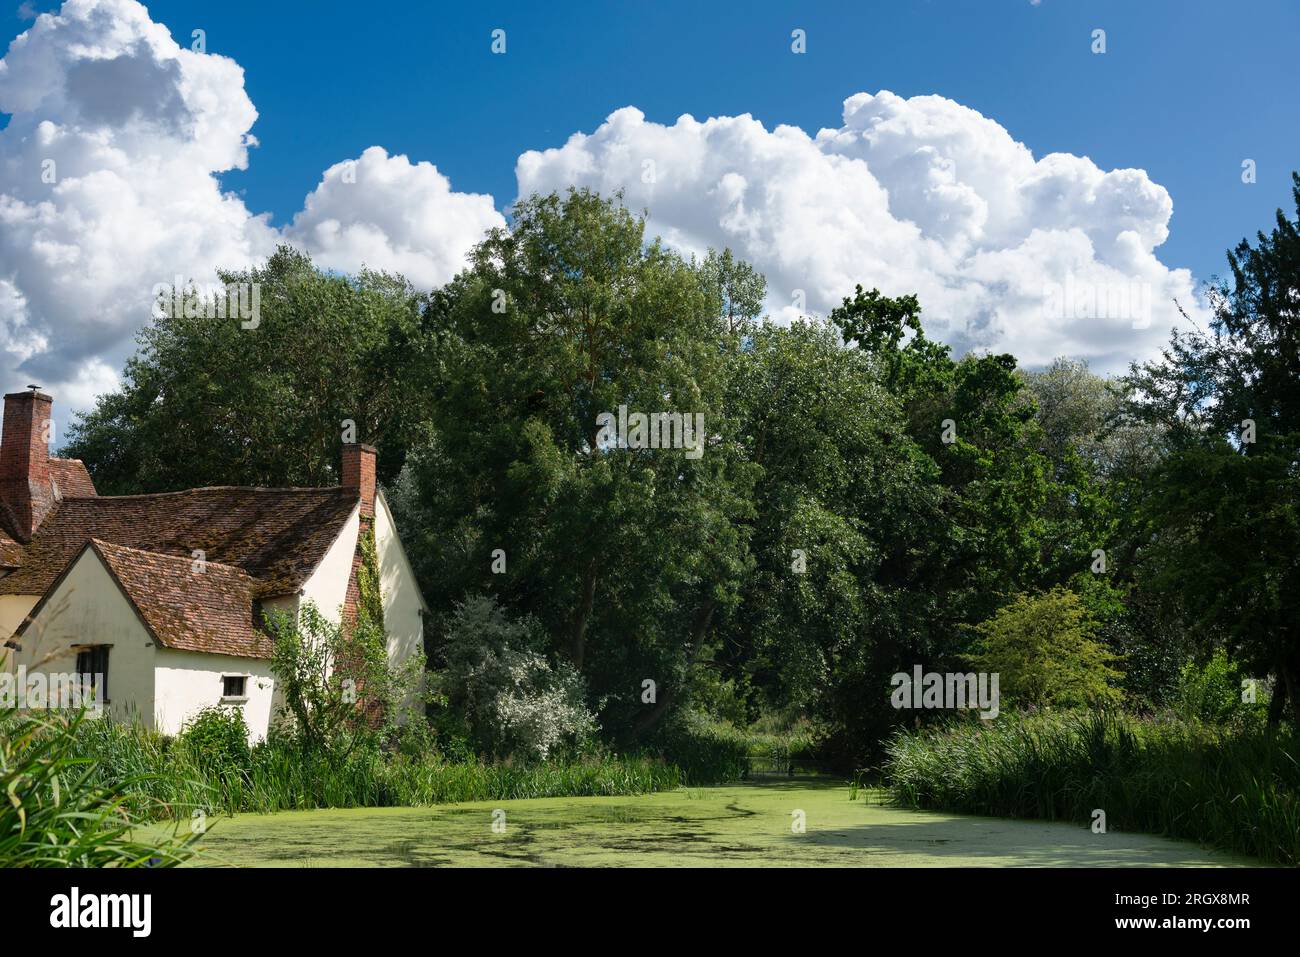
1103,463
737,287
1222,520
990,505
263,401
628,556
837,485
974,420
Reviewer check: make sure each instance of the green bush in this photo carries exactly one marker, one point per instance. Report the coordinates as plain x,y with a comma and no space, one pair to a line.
341,694
1238,789
707,752
1042,648
515,702
1212,692
217,738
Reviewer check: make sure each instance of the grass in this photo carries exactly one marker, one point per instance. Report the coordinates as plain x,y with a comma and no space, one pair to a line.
717,752
164,778
706,752
81,791
1238,790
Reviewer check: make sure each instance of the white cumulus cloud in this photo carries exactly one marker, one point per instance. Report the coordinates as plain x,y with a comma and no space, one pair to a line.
109,187
387,212
107,184
1039,257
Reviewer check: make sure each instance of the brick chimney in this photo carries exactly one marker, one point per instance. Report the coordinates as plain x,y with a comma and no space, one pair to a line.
359,473
25,487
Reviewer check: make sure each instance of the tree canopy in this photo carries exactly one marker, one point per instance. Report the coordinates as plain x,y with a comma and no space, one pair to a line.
1221,526
225,401
823,504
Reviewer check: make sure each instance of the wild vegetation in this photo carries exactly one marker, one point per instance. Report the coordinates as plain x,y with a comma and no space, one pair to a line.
864,503
1238,789
58,811
160,778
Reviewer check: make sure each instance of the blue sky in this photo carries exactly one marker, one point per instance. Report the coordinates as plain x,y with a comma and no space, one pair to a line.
1185,90
922,190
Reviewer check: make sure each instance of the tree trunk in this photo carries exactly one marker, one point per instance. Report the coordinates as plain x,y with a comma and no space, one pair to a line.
1288,683
578,635
699,628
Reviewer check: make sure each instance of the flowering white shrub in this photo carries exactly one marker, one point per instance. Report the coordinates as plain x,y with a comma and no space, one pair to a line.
515,701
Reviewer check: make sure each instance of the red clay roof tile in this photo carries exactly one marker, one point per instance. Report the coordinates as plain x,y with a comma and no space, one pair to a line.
71,478
276,536
185,606
11,552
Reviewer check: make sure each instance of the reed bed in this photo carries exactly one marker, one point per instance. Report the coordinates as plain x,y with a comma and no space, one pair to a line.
56,809
1237,789
167,778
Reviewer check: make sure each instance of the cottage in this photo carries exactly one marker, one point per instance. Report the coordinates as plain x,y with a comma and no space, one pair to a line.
161,594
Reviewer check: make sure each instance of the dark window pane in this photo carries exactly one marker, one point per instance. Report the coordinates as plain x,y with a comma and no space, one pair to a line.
92,664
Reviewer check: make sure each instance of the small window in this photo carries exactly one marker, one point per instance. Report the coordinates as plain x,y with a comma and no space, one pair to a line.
233,686
92,665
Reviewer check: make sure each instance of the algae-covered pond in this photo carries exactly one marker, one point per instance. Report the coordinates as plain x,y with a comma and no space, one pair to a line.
739,825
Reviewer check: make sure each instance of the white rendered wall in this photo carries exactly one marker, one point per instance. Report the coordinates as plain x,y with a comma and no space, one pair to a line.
13,609
187,681
87,608
327,587
401,596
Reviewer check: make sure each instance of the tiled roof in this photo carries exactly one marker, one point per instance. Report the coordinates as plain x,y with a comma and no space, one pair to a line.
71,477
207,608
11,553
68,479
275,536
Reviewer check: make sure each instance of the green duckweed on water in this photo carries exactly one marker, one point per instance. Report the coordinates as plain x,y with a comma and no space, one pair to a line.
738,825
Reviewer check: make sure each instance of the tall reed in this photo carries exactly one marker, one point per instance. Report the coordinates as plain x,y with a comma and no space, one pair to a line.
166,779
1236,789
58,809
